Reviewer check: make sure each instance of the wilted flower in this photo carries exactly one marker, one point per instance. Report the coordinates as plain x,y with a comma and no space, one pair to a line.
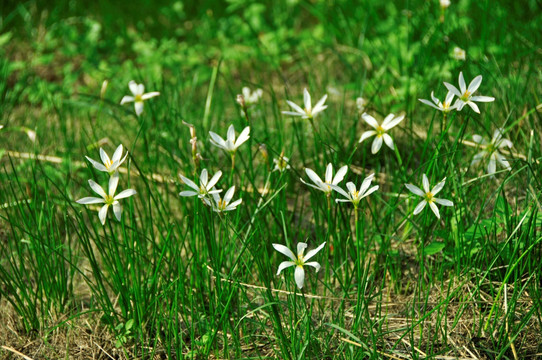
298,261
330,180
222,205
444,106
138,96
109,165
353,195
429,196
380,130
206,186
309,112
107,199
465,95
230,144
491,150
459,54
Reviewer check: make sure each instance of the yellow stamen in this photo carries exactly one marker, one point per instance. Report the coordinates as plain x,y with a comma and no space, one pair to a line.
380,131
429,197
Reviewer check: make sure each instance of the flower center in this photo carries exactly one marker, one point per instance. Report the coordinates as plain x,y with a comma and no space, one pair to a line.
138,98
300,261
429,197
466,95
108,164
380,131
109,200
221,205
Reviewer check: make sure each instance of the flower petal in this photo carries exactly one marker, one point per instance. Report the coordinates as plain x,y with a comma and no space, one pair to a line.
339,176
296,107
102,214
388,140
415,190
473,106
313,176
149,95
313,252
420,207
113,183
299,276
393,122
443,202
96,164
117,210
189,183
90,200
125,193
283,265
366,135
435,209
370,120
284,250
138,106
301,246
377,144
425,183
482,98
214,180
475,84
133,87
307,99
314,264
452,89
438,187
126,99
97,189
229,194
243,136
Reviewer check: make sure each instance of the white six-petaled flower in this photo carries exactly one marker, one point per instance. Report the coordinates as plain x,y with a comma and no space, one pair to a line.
281,164
353,195
251,97
308,112
109,165
491,150
298,261
222,205
138,92
325,186
445,106
230,144
464,93
380,130
429,196
206,186
107,198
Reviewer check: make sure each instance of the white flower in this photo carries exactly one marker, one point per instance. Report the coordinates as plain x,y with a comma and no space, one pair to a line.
444,3
298,261
491,150
107,199
231,144
429,196
459,54
251,97
360,104
465,95
110,165
1,127
444,106
281,164
353,195
308,112
222,205
380,130
330,180
139,96
206,186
